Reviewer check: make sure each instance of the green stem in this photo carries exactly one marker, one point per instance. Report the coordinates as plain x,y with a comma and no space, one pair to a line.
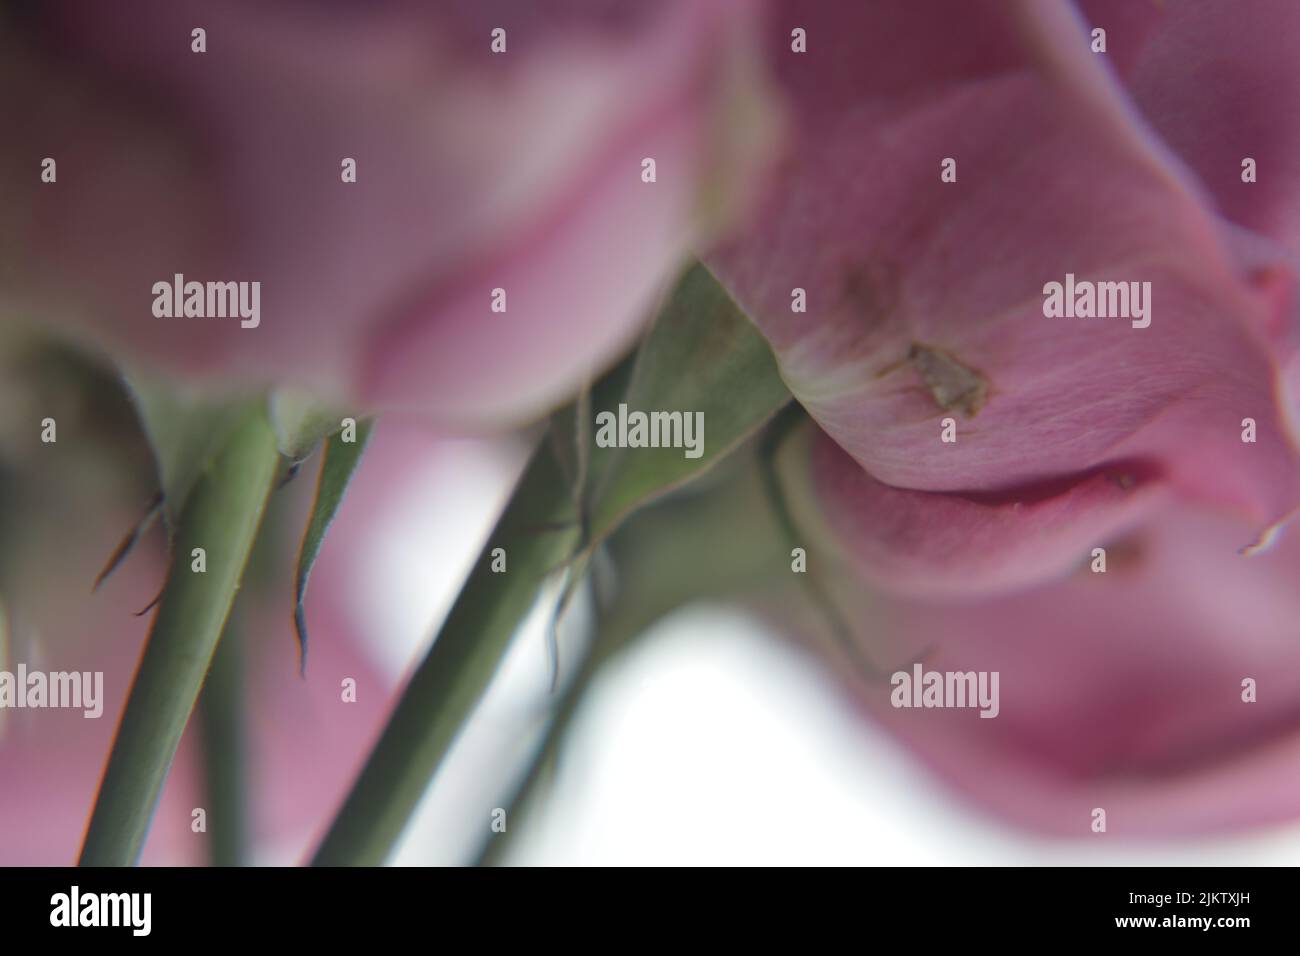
221,516
221,717
720,545
538,531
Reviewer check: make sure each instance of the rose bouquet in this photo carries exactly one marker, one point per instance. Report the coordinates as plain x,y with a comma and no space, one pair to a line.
956,338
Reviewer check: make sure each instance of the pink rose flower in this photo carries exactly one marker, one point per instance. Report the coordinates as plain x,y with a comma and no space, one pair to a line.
952,160
1163,691
475,171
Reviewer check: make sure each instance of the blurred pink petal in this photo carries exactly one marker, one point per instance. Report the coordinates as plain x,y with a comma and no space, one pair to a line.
476,171
1120,690
928,543
1219,83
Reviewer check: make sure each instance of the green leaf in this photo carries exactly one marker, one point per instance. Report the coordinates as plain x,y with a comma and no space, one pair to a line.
337,465
186,429
701,356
